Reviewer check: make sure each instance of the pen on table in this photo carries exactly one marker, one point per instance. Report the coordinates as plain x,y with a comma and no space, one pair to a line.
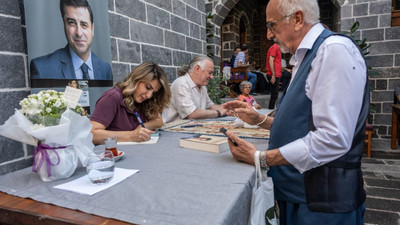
194,125
139,119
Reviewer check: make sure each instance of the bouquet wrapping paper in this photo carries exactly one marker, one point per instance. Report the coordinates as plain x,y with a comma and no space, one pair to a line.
59,148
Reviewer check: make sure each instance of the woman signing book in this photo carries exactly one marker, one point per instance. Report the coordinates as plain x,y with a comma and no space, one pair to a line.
144,92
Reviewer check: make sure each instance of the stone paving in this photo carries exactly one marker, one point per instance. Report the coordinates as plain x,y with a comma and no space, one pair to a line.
382,183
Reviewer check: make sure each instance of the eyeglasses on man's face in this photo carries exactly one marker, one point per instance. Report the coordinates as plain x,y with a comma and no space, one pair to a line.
271,24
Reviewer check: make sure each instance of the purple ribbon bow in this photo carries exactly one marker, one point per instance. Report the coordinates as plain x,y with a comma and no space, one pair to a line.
41,150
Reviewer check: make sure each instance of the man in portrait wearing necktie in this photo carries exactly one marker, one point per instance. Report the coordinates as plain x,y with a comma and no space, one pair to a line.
75,60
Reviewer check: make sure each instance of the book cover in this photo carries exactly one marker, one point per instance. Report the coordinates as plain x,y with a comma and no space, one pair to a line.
207,143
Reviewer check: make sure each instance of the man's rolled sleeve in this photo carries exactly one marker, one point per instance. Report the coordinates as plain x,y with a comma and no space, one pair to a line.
298,155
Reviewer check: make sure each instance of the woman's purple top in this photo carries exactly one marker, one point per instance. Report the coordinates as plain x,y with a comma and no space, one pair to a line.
112,112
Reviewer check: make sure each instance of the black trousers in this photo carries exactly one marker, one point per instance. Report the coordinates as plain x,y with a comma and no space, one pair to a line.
262,85
274,91
286,76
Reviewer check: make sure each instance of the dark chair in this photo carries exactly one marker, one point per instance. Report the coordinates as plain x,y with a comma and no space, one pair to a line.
239,74
395,125
395,117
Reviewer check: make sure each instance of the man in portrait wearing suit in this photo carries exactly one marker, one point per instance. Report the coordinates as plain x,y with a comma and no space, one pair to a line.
75,60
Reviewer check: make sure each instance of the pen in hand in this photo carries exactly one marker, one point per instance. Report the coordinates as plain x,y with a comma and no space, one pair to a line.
139,119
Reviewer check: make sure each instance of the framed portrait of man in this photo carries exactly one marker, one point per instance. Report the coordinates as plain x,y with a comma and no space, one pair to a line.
69,44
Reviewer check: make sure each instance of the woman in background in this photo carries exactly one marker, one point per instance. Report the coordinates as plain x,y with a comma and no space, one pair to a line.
245,88
144,91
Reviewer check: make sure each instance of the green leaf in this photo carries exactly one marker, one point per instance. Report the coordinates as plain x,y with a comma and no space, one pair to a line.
355,27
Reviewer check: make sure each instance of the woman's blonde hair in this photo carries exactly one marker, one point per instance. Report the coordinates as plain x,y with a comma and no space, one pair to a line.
146,72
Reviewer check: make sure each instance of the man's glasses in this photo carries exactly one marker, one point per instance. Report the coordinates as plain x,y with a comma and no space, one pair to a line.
273,22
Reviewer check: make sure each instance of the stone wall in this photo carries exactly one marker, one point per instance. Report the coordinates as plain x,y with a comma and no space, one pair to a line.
14,83
375,25
169,32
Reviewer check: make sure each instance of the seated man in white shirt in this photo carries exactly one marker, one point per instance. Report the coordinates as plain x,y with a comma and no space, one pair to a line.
190,99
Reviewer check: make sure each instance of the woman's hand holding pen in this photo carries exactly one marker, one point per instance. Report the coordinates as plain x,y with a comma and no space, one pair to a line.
141,134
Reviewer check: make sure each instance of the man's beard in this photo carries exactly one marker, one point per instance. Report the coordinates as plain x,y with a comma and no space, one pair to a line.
283,48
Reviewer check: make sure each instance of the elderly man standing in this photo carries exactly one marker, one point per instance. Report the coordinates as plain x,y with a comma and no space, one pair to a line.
317,134
190,99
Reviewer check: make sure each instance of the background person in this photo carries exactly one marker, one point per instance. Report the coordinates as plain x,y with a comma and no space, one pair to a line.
274,72
145,91
262,85
240,61
318,132
190,98
75,61
245,88
232,61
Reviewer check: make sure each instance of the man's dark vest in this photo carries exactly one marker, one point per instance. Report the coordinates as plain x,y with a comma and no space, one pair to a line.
334,187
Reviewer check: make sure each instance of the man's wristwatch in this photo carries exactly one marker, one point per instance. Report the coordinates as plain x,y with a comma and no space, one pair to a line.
263,160
219,113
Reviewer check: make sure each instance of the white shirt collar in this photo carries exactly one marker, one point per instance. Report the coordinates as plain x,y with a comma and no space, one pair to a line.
190,81
307,42
77,61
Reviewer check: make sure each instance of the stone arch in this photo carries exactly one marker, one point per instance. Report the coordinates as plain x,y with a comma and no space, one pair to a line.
231,33
221,10
247,28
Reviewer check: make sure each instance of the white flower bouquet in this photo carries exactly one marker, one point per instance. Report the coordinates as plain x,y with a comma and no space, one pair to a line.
61,136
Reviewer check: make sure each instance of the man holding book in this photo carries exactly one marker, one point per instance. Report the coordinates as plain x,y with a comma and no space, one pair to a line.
318,131
190,98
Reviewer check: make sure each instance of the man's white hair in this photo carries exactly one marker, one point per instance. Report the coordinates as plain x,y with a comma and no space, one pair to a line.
199,60
309,7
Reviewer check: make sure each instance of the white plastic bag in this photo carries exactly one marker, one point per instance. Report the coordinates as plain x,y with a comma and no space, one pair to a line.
262,201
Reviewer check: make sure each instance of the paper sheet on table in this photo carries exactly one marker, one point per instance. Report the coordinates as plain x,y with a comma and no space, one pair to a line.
153,140
83,185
